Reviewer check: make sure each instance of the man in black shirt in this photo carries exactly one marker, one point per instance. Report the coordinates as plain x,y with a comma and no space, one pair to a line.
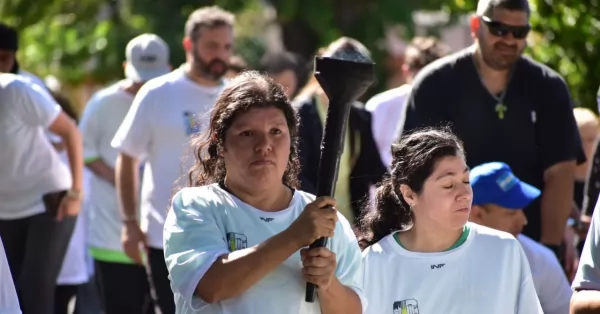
506,107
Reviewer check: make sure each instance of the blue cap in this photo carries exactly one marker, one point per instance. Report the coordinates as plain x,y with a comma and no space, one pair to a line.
495,183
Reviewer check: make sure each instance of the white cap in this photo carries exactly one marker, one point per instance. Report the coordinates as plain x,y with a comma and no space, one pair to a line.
147,57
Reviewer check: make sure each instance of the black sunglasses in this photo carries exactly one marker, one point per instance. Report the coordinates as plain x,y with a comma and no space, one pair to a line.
502,30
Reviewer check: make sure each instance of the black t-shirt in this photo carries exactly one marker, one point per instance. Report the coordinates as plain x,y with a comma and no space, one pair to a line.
538,129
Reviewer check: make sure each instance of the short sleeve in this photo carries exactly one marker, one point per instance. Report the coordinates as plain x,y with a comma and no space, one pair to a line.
90,130
349,259
35,106
193,240
134,135
9,303
588,274
424,105
558,135
528,302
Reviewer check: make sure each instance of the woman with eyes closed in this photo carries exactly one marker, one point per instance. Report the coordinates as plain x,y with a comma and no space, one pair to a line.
420,253
235,238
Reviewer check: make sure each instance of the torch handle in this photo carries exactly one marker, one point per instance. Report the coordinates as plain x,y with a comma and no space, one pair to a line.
332,146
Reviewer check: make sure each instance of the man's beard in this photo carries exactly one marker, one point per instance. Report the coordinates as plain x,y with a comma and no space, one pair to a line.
496,60
213,70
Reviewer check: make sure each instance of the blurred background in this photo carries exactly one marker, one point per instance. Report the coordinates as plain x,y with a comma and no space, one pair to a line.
78,46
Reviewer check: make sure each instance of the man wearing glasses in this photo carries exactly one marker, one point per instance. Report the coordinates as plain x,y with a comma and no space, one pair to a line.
506,107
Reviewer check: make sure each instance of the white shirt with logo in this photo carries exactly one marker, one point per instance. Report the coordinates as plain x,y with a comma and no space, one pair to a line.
9,302
100,121
588,273
207,222
29,165
549,279
164,115
488,274
388,112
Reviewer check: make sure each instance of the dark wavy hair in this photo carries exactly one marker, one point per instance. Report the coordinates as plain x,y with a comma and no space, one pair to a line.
414,159
249,90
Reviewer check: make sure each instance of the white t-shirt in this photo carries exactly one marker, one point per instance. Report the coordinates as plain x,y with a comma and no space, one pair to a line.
388,112
165,112
588,274
9,302
550,282
100,121
488,274
29,166
207,222
32,78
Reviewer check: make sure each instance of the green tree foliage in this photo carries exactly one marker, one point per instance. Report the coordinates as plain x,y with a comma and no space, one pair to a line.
84,40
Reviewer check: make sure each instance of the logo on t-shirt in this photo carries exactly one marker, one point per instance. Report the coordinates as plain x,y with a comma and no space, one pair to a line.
236,241
192,123
267,219
409,306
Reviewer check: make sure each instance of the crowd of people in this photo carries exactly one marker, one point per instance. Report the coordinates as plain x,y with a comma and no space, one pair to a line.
469,189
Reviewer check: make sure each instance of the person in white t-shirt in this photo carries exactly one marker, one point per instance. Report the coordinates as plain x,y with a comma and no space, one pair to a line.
498,202
123,283
586,285
235,240
421,253
39,196
388,108
164,114
9,302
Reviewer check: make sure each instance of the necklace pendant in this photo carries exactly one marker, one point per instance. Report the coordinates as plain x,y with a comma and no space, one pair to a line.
500,110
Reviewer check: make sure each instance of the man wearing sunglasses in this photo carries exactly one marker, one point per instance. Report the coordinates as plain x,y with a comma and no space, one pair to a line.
509,108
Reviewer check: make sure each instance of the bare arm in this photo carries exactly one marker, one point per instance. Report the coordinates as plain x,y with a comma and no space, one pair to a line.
102,170
585,302
339,299
64,127
557,201
126,179
234,273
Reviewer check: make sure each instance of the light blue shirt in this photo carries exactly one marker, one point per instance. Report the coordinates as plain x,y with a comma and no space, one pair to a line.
207,222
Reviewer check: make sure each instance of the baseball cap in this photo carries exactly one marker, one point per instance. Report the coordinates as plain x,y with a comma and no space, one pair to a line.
147,57
495,183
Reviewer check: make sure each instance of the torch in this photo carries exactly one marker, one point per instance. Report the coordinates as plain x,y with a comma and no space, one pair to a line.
344,77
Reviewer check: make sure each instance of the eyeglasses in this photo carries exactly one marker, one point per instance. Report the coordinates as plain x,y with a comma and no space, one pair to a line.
502,30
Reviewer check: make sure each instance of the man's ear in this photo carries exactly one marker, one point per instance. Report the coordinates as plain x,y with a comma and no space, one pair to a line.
187,44
475,24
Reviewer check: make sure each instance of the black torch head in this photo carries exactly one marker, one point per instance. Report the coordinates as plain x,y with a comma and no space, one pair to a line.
345,76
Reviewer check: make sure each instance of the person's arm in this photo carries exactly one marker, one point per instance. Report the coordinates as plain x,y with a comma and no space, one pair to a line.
65,127
592,187
91,126
586,284
559,144
201,266
345,294
133,139
585,302
38,108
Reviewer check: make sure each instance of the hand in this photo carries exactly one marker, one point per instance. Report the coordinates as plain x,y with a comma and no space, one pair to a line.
131,239
318,266
69,207
316,221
